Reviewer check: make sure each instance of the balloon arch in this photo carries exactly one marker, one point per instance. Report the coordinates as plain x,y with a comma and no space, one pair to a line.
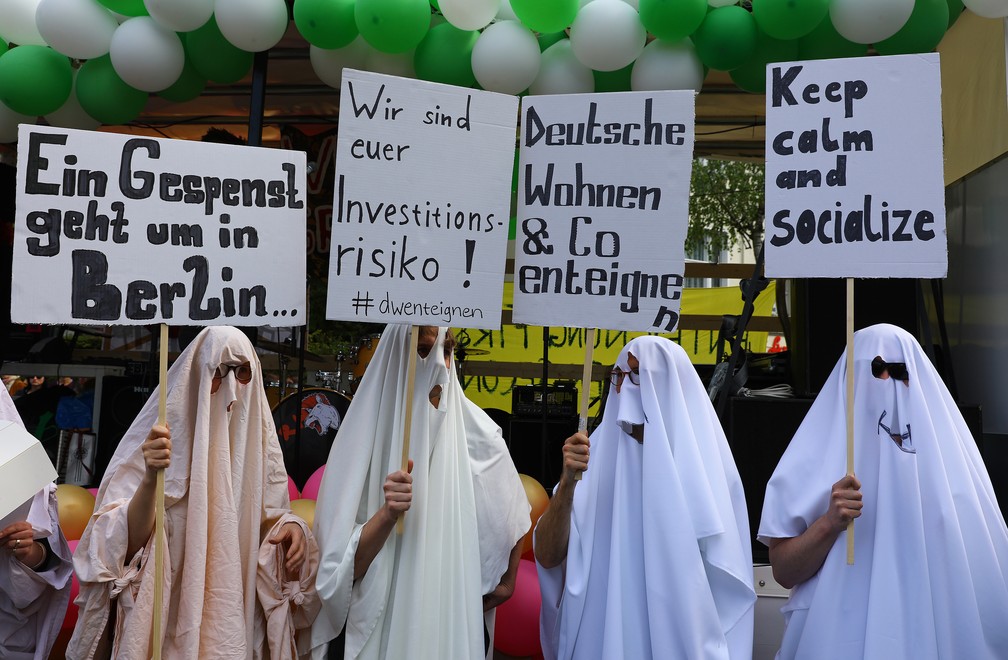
82,63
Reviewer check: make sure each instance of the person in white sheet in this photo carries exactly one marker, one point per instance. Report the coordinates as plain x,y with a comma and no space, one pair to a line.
930,572
649,555
35,572
238,566
431,591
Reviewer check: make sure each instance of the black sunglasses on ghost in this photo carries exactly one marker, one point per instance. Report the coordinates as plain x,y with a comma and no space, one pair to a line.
896,370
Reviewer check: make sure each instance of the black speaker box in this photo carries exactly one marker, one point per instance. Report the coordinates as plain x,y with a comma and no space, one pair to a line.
759,431
539,459
820,321
122,398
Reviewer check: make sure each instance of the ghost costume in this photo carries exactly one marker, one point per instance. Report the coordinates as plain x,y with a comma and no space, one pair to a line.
33,604
930,573
421,597
225,494
658,563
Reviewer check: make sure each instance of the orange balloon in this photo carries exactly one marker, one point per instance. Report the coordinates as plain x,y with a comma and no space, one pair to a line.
75,506
305,510
539,500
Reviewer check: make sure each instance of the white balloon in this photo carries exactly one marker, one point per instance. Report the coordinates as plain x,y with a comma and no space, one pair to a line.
394,64
328,64
81,29
721,3
607,35
9,121
146,56
633,3
469,14
562,73
667,65
252,25
505,13
869,21
72,115
506,58
180,15
17,22
988,8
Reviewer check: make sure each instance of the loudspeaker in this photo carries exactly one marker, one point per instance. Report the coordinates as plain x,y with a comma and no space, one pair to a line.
122,399
759,431
820,321
539,459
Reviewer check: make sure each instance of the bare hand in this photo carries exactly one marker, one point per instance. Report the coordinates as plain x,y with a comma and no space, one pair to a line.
399,492
19,539
845,503
498,596
291,538
575,456
157,449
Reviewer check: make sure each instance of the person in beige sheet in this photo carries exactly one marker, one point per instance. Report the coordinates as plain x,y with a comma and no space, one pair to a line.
239,567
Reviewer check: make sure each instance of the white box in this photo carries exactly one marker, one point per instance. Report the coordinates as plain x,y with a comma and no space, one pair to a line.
25,467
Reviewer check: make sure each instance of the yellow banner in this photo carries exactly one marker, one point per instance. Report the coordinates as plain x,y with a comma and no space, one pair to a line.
524,344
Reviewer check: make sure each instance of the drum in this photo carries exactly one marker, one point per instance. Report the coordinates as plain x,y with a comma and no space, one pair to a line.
365,351
306,427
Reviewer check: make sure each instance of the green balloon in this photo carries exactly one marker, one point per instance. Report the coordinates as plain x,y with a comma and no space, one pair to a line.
213,56
789,19
434,4
550,38
751,76
104,96
672,20
445,56
126,7
34,80
825,43
393,26
922,31
726,39
545,15
327,24
956,8
613,81
188,86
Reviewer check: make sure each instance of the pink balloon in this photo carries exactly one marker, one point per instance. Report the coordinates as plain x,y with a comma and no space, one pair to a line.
70,618
292,489
311,487
516,631
93,491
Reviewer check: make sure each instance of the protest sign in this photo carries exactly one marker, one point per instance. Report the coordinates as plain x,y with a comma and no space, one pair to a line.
119,230
421,203
854,172
603,199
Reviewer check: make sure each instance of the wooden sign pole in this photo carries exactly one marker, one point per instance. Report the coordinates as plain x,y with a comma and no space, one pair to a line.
585,386
410,377
159,506
850,405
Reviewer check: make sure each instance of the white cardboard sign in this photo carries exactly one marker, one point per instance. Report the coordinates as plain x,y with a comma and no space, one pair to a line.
119,230
421,204
854,174
603,202
24,470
